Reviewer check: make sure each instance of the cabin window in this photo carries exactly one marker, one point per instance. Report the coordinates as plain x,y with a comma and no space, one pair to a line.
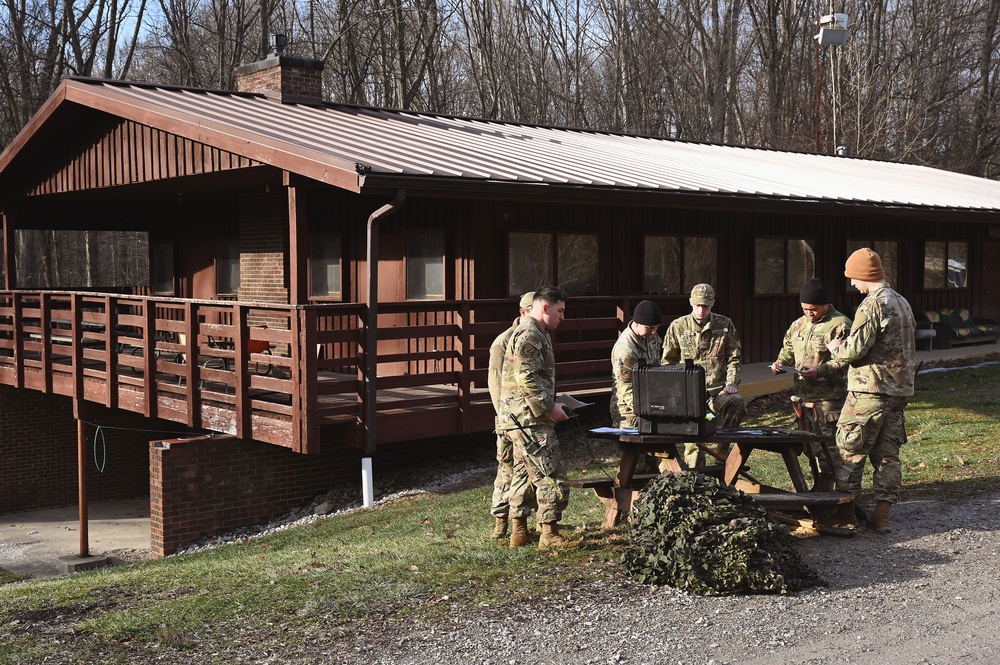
66,259
674,264
227,266
325,266
886,250
569,260
163,267
783,264
946,265
425,266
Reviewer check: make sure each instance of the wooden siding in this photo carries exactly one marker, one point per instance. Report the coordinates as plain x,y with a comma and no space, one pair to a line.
109,152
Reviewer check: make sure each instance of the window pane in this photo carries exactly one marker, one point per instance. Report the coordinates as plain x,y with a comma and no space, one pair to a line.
324,266
855,245
934,261
227,266
163,267
958,261
661,270
801,263
886,250
577,261
64,259
529,262
700,262
425,266
770,266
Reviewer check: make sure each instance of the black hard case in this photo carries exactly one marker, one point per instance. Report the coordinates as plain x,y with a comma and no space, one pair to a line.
671,399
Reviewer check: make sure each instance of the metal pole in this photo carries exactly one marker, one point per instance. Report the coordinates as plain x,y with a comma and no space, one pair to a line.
371,342
817,82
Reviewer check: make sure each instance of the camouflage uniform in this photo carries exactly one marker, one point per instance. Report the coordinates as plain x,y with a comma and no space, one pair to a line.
505,448
881,352
527,394
627,352
716,347
805,346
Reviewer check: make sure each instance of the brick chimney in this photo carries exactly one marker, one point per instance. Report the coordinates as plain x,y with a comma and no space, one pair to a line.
280,77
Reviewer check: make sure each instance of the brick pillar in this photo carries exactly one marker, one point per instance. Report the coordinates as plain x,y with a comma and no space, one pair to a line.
264,252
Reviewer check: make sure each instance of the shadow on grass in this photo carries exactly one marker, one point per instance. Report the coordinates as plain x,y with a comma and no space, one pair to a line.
958,490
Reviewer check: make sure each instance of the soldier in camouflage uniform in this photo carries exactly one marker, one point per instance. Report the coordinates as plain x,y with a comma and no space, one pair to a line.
711,341
500,506
638,343
821,384
528,414
880,350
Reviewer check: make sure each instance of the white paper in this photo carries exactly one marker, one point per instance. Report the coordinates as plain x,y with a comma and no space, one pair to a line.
572,402
614,430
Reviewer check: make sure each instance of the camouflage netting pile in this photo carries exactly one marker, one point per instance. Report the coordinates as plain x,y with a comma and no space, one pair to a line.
691,532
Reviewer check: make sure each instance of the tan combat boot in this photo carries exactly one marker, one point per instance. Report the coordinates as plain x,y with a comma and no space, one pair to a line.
551,540
879,520
519,532
824,484
845,516
500,529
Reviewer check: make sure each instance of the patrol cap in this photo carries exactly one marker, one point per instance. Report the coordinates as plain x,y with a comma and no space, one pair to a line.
527,299
702,294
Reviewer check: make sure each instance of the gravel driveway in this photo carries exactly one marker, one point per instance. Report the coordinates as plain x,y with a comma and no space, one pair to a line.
925,593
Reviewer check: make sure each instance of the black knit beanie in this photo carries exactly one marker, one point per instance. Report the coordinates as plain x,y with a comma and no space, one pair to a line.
814,292
647,313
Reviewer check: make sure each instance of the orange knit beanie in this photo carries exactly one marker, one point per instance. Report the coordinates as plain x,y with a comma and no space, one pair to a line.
865,265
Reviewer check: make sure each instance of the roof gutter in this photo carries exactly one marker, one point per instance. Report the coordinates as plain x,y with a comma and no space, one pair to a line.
371,338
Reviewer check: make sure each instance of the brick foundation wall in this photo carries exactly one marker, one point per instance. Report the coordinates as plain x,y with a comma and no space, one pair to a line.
200,487
38,452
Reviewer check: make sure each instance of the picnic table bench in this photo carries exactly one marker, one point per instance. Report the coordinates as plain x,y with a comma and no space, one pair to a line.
619,493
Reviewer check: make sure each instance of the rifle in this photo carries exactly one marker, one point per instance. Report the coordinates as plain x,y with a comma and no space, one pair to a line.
531,445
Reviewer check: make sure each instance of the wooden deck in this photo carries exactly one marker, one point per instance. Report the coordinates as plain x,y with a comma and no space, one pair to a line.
211,373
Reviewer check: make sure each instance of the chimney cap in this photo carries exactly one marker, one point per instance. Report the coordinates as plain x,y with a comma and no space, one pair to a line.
278,43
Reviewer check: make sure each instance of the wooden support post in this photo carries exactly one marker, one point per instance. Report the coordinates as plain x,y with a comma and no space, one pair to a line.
241,372
81,454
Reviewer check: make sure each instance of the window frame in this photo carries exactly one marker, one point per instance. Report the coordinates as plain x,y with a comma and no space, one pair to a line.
685,281
155,262
337,296
553,277
948,284
407,260
791,284
221,256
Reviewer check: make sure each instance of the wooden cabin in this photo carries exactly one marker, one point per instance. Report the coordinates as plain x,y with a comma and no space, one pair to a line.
316,281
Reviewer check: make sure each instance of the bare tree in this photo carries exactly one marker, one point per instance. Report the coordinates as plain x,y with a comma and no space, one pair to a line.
41,42
777,91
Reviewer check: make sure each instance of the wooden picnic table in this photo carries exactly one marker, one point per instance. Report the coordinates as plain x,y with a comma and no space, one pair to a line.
619,493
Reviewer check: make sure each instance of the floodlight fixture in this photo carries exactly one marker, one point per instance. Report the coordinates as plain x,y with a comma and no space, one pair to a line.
832,30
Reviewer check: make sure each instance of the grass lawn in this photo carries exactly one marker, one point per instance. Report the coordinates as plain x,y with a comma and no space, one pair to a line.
405,557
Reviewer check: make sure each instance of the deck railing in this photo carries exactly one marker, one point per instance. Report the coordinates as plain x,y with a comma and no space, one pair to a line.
275,372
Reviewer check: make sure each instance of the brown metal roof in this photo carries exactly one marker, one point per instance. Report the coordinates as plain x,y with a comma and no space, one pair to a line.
357,147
